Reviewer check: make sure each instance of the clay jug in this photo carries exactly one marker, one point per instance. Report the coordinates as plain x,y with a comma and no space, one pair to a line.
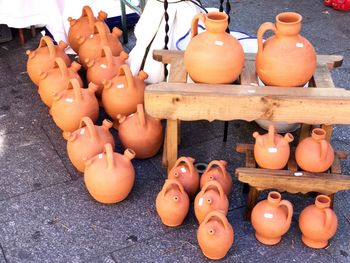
43,58
91,46
215,235
109,176
88,141
141,132
271,150
172,203
122,94
271,218
57,79
213,56
211,198
185,172
315,154
285,59
83,26
71,105
216,171
318,223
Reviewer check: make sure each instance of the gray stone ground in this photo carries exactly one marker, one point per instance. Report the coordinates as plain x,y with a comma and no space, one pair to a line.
46,214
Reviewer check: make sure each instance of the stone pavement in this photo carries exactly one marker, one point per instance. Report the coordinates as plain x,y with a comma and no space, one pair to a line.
46,214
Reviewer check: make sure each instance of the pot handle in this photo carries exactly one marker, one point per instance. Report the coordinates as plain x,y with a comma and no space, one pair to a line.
62,67
221,164
74,84
324,149
328,220
90,126
107,53
108,149
47,41
289,206
141,115
219,215
100,29
125,70
261,31
90,15
194,27
216,185
170,182
187,161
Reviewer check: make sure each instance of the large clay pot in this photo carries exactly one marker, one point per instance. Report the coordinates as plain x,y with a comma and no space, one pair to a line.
318,223
216,171
315,154
57,79
109,176
185,172
213,56
83,26
215,235
271,218
285,59
122,94
43,58
211,198
271,150
88,141
172,203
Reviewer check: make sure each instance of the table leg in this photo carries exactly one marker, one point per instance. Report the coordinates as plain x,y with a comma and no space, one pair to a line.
164,156
304,131
124,25
332,200
171,141
329,131
21,36
252,200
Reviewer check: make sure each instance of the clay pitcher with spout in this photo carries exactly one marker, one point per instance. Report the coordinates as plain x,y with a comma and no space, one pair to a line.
216,171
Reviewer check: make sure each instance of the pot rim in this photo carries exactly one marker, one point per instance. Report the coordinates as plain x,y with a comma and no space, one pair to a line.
298,18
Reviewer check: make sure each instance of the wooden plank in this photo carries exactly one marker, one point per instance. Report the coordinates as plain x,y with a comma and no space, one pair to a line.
336,167
305,131
165,156
292,164
252,200
243,147
248,75
323,78
250,159
177,71
171,148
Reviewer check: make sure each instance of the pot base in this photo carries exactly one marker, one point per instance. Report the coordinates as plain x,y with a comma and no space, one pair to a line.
170,223
314,244
266,240
217,257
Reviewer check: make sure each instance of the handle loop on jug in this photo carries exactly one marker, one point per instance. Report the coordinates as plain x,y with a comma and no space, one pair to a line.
214,184
59,63
107,53
74,84
87,12
187,160
108,149
261,31
101,30
47,41
221,164
90,126
141,115
195,20
222,218
125,70
170,182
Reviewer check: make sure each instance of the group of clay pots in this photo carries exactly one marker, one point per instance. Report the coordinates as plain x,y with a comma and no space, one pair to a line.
215,234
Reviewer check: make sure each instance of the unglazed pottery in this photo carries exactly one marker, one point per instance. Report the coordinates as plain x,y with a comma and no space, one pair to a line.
285,59
213,56
215,235
271,218
318,223
172,203
315,154
216,171
109,176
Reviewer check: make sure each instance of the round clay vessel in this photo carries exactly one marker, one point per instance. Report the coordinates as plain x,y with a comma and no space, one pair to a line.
271,150
315,154
88,141
285,59
271,218
213,56
211,198
42,59
185,172
216,171
318,223
172,203
83,26
215,235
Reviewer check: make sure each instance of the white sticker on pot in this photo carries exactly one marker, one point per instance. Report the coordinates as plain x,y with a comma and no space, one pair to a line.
183,169
70,100
200,202
268,215
100,156
82,131
120,86
92,35
132,114
218,43
272,149
298,174
103,66
299,45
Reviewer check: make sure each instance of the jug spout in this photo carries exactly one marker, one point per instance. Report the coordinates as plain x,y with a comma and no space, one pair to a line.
288,137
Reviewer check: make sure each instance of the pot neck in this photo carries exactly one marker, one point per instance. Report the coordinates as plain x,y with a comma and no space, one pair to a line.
322,202
274,198
216,22
288,24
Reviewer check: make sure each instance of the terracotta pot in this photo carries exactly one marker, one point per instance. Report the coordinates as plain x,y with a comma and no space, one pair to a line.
172,203
57,79
216,171
271,218
211,198
185,172
318,223
315,154
88,141
71,105
43,58
215,235
91,46
285,59
271,150
109,176
213,56
83,26
122,94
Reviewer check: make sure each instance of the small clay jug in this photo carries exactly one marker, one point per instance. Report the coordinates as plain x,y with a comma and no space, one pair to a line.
271,218
109,176
87,141
318,223
83,26
213,56
71,105
91,46
216,171
315,154
211,197
185,172
122,94
57,79
271,150
172,203
42,59
285,59
215,235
